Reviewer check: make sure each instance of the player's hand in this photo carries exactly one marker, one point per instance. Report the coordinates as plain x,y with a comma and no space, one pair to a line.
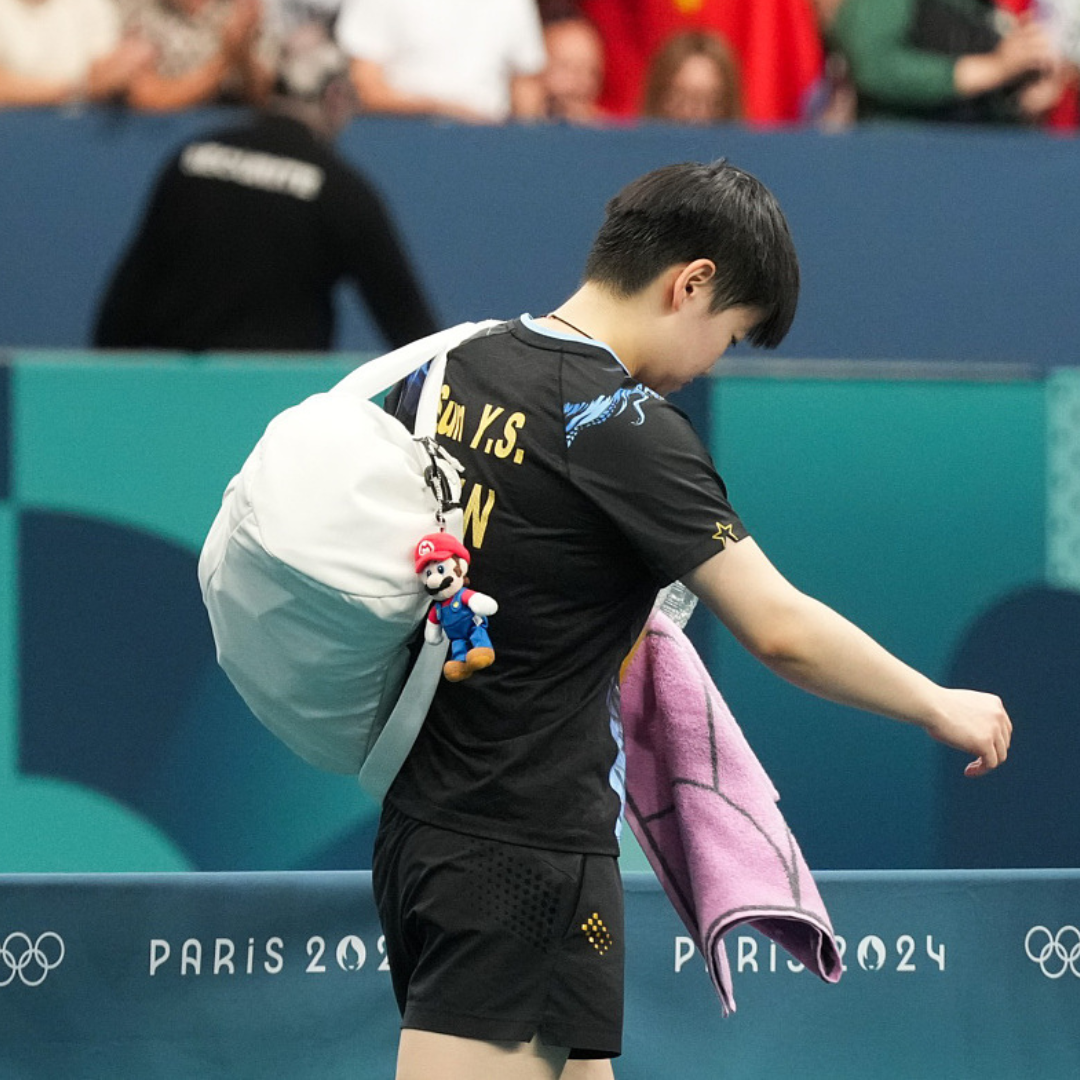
976,723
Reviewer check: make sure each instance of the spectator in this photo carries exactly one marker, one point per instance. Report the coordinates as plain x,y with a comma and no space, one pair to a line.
832,106
575,70
56,52
693,79
478,61
776,43
249,231
1062,21
207,51
946,60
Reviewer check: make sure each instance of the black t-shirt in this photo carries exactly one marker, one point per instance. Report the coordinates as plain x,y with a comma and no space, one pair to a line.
247,234
584,494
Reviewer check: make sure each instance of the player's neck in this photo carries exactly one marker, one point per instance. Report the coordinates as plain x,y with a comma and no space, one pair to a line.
627,325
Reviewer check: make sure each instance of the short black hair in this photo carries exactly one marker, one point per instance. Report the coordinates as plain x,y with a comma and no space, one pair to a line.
695,211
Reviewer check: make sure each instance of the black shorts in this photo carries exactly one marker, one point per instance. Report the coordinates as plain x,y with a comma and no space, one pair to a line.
495,941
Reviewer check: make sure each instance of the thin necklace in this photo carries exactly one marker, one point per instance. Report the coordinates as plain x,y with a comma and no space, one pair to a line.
567,322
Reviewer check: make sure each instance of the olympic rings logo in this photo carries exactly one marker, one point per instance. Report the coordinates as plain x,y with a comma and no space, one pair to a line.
30,960
1056,954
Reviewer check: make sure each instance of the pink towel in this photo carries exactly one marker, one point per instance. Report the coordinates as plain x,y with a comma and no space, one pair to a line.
705,813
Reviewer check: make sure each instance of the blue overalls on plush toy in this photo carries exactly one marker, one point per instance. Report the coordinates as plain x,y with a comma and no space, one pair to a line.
465,629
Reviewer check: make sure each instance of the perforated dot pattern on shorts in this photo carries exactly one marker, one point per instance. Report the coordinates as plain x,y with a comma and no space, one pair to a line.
512,891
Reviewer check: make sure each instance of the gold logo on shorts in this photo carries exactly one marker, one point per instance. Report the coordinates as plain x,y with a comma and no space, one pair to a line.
598,934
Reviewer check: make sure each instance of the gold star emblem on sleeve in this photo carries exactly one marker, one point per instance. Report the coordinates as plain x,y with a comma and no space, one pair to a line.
724,533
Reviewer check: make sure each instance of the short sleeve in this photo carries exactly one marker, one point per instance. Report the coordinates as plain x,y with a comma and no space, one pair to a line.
639,460
528,55
362,30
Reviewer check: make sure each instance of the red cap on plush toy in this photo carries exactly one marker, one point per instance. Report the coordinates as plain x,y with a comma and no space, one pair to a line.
438,546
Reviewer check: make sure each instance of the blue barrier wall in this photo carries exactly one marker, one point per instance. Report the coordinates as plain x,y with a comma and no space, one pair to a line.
915,244
964,975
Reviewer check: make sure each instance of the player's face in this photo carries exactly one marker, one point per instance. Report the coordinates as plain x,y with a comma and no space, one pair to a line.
700,338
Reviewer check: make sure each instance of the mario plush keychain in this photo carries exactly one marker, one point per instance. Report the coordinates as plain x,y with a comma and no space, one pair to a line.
442,561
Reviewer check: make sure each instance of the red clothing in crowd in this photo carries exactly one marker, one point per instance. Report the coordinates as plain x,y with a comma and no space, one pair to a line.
776,41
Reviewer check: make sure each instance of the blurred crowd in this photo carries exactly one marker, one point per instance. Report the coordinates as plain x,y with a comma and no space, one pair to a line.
828,63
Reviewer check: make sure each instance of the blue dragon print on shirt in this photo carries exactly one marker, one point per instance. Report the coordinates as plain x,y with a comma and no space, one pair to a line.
586,414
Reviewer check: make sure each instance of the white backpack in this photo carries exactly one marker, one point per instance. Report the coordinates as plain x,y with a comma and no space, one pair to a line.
308,576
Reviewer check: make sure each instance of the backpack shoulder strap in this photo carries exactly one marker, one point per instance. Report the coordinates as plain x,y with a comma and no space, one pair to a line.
389,751
377,375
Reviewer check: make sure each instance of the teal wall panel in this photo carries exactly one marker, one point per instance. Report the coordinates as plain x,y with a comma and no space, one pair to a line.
150,444
118,470
909,507
47,823
912,507
1063,480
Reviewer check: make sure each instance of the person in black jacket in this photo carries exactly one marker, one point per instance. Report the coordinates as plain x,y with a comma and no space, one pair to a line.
250,229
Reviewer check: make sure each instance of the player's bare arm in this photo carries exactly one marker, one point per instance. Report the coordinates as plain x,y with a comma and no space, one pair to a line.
812,646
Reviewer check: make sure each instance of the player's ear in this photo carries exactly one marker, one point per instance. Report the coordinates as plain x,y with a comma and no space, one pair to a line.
691,279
